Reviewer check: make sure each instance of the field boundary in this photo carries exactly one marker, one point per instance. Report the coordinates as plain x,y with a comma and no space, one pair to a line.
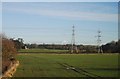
68,53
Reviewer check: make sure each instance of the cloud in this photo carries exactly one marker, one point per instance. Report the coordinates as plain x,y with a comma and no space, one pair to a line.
73,15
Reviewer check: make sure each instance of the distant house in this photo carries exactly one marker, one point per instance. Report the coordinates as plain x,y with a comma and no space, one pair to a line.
24,47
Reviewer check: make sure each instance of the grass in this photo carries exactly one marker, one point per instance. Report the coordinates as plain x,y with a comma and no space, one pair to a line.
47,65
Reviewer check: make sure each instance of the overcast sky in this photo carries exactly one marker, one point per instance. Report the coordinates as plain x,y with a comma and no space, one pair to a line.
42,22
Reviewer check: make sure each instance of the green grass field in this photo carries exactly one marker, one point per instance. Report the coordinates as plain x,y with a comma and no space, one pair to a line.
59,65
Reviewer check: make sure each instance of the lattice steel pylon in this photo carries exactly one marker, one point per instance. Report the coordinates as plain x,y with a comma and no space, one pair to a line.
73,46
99,42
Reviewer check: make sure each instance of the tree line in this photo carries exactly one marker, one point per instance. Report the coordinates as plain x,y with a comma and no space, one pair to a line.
111,47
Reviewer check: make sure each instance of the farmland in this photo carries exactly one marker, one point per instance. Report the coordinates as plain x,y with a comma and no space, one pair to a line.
67,65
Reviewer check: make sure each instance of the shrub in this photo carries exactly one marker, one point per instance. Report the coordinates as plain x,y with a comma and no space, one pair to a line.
8,52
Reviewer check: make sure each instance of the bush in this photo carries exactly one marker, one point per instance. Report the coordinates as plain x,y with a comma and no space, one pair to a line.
8,52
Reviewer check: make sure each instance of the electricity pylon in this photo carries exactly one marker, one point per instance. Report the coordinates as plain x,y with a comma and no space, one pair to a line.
99,48
73,47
